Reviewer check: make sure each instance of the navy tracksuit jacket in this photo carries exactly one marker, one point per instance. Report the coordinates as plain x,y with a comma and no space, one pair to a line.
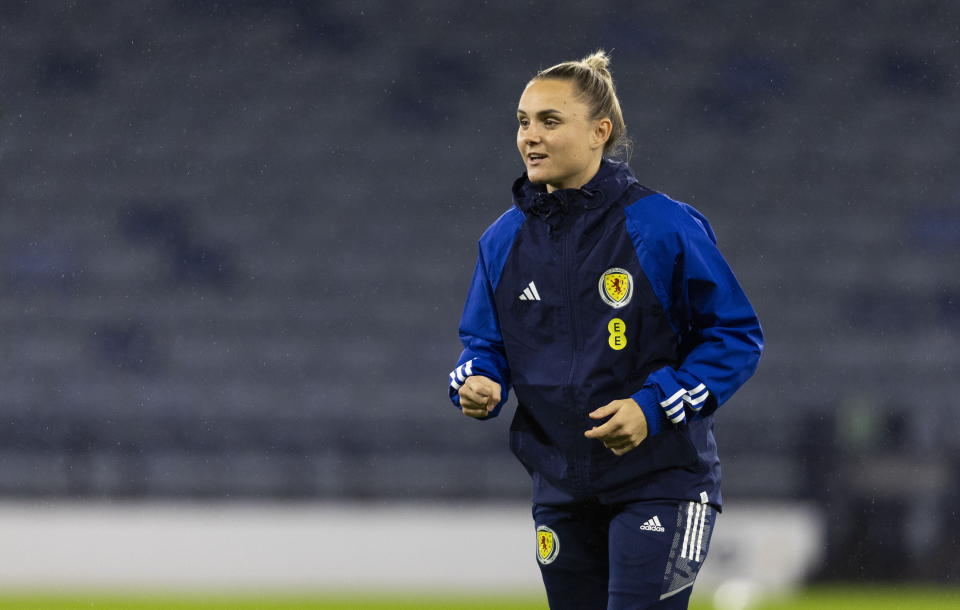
583,296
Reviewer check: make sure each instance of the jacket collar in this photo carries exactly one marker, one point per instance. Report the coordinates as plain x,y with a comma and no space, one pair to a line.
606,187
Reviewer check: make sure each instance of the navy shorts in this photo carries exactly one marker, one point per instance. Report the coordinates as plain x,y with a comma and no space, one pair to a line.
632,556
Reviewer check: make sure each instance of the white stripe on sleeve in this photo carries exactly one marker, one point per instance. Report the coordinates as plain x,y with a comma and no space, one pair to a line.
695,402
469,369
453,381
672,399
675,409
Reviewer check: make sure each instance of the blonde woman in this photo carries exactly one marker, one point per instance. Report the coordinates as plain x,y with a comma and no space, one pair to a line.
609,310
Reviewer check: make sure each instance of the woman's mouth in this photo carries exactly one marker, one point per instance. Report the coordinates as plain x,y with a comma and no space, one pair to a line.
535,158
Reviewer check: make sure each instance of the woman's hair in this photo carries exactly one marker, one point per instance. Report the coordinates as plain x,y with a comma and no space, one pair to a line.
594,85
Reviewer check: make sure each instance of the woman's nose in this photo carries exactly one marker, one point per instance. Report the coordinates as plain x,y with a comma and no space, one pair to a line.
531,134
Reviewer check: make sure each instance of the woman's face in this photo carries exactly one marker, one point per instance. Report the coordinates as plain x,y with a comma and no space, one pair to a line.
559,143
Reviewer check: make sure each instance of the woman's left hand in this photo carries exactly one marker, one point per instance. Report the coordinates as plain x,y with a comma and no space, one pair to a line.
626,429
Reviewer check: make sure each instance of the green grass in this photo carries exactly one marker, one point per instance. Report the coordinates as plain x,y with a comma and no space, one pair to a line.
821,598
868,598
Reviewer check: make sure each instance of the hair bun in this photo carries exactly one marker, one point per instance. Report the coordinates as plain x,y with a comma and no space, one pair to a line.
599,61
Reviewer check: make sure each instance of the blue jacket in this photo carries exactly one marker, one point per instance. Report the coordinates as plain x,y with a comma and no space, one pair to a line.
583,296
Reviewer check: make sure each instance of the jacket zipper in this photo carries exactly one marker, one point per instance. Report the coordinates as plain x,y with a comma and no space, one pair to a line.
571,303
581,449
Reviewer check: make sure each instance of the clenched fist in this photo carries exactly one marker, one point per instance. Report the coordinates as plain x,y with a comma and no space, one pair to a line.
479,395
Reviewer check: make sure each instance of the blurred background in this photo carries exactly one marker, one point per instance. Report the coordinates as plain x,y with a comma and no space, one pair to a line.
235,240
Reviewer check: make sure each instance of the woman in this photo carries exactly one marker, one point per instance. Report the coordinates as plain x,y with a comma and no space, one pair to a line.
609,310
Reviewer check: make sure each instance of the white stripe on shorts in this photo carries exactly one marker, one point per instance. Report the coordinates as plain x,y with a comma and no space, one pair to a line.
703,518
675,591
686,531
695,513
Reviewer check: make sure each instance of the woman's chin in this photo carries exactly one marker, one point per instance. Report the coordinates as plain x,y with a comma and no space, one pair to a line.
537,175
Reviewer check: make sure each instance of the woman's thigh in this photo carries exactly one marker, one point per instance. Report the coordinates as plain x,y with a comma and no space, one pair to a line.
655,553
572,554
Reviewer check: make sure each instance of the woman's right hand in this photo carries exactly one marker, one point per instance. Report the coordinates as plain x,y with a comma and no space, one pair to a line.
479,395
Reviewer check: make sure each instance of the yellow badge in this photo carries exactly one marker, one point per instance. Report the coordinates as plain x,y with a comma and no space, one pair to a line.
548,545
618,334
616,287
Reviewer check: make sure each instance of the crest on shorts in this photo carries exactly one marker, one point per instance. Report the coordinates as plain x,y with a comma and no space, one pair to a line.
548,545
616,287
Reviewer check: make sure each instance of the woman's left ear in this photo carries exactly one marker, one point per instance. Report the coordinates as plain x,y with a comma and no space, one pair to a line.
601,131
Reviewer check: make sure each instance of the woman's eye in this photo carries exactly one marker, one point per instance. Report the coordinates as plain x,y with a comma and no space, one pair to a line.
551,122
523,122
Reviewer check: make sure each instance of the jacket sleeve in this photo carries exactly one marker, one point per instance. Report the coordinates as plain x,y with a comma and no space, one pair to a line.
483,352
718,329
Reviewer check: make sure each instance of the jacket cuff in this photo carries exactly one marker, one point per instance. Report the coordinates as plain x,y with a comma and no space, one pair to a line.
476,366
657,422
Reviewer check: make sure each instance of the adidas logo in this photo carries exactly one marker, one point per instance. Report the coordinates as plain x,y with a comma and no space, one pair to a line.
653,525
530,293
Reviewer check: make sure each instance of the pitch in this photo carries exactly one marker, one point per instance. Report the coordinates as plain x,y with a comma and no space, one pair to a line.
820,598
